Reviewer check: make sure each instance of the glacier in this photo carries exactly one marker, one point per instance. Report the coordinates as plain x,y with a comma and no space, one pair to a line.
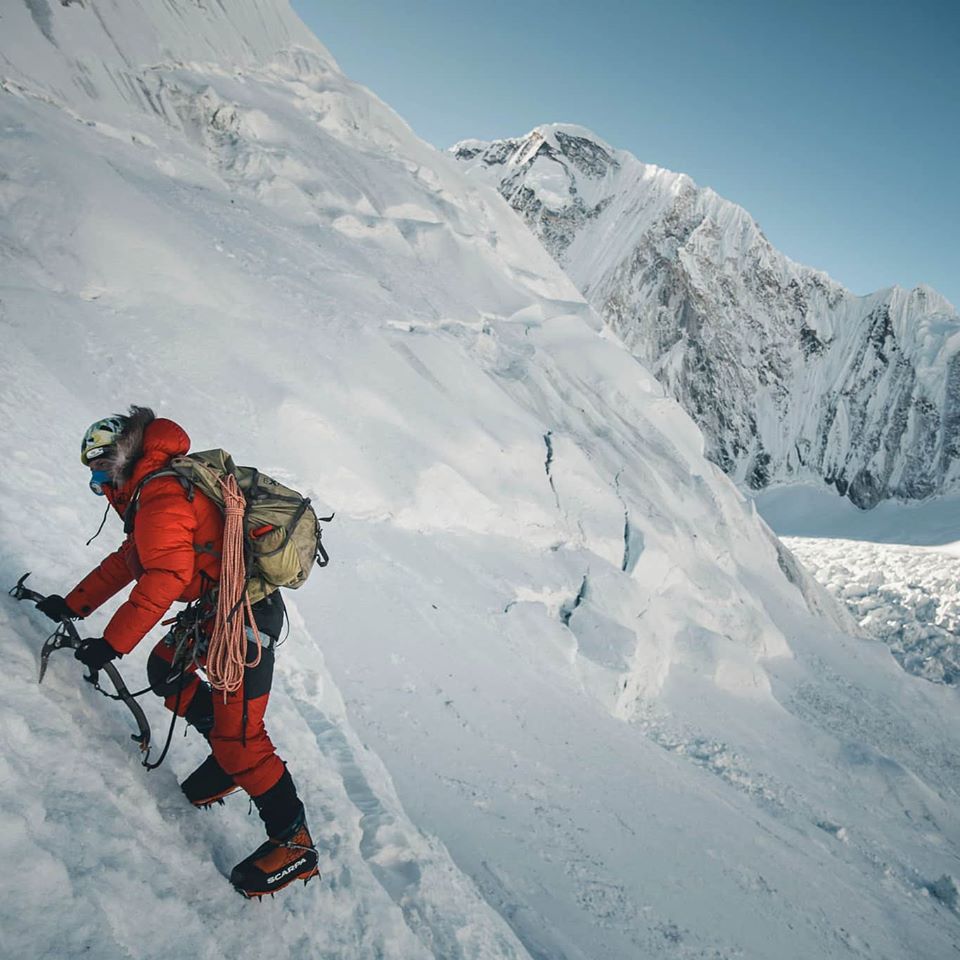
561,692
791,377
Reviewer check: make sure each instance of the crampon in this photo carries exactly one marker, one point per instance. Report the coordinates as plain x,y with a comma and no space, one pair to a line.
277,863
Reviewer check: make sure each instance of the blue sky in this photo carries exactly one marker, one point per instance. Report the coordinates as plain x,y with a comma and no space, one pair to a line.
836,124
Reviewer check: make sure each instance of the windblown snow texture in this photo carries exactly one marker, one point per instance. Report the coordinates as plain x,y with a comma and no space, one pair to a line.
560,693
789,375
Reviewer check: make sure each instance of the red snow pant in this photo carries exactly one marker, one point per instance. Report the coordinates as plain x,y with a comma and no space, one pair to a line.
234,727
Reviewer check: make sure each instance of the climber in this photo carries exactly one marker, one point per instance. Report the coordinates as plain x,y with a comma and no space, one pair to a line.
173,553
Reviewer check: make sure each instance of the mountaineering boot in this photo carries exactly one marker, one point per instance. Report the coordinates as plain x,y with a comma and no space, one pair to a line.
288,855
278,862
208,784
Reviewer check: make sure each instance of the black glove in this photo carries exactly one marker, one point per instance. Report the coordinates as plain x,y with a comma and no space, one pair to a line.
94,652
55,607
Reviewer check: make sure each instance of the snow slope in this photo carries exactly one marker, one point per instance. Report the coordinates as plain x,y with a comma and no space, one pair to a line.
561,694
790,376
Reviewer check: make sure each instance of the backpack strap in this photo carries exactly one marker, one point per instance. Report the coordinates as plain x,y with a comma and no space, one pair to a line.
130,514
206,548
322,557
300,511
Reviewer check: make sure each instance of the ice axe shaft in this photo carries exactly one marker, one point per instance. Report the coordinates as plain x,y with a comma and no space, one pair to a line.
66,636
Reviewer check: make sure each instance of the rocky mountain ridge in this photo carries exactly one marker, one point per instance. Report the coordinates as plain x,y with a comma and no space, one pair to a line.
789,374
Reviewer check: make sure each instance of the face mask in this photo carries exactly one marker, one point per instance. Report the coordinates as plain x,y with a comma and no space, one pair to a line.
98,480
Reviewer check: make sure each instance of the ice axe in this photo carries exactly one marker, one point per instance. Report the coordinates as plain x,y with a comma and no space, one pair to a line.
66,636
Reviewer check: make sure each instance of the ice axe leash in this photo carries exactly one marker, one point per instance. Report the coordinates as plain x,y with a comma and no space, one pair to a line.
66,636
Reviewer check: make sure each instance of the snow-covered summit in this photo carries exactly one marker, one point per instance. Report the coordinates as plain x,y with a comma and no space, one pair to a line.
553,135
790,375
560,692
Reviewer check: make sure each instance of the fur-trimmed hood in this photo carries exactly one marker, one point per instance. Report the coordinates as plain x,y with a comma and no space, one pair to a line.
129,447
147,443
150,446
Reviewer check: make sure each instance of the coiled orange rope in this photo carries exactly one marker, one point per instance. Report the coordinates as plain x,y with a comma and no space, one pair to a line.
227,652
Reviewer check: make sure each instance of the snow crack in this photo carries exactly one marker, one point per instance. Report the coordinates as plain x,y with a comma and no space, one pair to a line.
548,442
568,609
632,540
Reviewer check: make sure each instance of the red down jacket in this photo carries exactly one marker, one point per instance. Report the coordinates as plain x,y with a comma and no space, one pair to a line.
173,541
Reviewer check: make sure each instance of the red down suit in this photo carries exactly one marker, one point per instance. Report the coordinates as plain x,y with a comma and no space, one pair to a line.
173,549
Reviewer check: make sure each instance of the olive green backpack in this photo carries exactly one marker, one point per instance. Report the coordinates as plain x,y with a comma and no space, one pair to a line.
282,535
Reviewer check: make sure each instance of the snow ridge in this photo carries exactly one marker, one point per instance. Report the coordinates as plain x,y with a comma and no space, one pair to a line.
789,375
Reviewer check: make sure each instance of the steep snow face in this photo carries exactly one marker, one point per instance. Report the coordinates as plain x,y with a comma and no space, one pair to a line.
103,53
559,694
789,375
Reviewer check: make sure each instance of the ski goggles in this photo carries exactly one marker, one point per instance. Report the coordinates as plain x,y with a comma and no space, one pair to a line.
98,480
